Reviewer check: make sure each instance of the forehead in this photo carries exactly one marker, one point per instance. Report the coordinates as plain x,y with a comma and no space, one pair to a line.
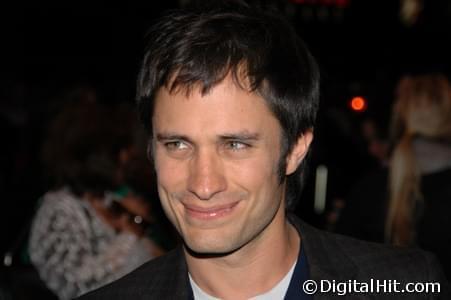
225,107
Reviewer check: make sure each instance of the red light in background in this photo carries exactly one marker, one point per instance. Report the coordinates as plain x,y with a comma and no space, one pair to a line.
358,104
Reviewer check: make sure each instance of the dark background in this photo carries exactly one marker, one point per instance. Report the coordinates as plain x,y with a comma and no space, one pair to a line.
362,48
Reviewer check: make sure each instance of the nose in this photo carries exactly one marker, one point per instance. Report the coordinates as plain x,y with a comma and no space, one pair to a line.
206,176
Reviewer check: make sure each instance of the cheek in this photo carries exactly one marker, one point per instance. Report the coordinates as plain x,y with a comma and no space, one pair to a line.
169,181
169,172
255,174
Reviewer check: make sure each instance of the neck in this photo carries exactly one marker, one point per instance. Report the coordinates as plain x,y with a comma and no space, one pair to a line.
251,270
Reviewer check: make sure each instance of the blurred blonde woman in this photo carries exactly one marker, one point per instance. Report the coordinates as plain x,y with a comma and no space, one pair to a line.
419,210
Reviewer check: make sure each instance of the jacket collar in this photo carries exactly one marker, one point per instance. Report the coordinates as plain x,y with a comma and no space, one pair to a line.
326,259
173,281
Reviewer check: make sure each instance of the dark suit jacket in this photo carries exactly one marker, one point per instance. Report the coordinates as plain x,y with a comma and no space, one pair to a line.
330,256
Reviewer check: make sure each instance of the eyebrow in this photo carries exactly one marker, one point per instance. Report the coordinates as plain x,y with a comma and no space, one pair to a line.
172,136
242,136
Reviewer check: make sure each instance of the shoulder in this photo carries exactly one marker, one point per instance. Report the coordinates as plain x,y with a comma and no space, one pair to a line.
334,256
165,277
376,257
59,207
388,265
61,200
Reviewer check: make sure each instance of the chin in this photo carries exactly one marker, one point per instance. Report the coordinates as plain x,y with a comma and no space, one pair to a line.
210,247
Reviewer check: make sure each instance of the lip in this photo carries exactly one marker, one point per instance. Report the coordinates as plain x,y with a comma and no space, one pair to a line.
210,213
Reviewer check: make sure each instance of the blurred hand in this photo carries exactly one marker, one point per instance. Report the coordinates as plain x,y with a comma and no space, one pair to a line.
131,214
137,206
134,215
126,223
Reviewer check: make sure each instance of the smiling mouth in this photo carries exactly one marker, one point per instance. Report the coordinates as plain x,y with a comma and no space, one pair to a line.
211,212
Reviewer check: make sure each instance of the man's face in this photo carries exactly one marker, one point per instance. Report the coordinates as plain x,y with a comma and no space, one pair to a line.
216,158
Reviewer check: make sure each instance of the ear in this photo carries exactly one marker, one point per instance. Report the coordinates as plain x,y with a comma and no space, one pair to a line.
299,151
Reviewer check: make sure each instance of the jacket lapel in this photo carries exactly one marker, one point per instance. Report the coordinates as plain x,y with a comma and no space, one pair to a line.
326,260
173,280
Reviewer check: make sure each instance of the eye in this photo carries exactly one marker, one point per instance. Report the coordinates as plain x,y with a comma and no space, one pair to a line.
237,145
176,145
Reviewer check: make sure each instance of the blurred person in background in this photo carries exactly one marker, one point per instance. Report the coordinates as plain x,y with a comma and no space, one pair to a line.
361,214
90,228
407,203
420,167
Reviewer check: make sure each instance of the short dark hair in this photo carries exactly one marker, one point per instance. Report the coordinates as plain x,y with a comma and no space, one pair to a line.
194,48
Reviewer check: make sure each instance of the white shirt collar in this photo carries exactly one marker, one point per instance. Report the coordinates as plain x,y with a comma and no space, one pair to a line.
277,292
